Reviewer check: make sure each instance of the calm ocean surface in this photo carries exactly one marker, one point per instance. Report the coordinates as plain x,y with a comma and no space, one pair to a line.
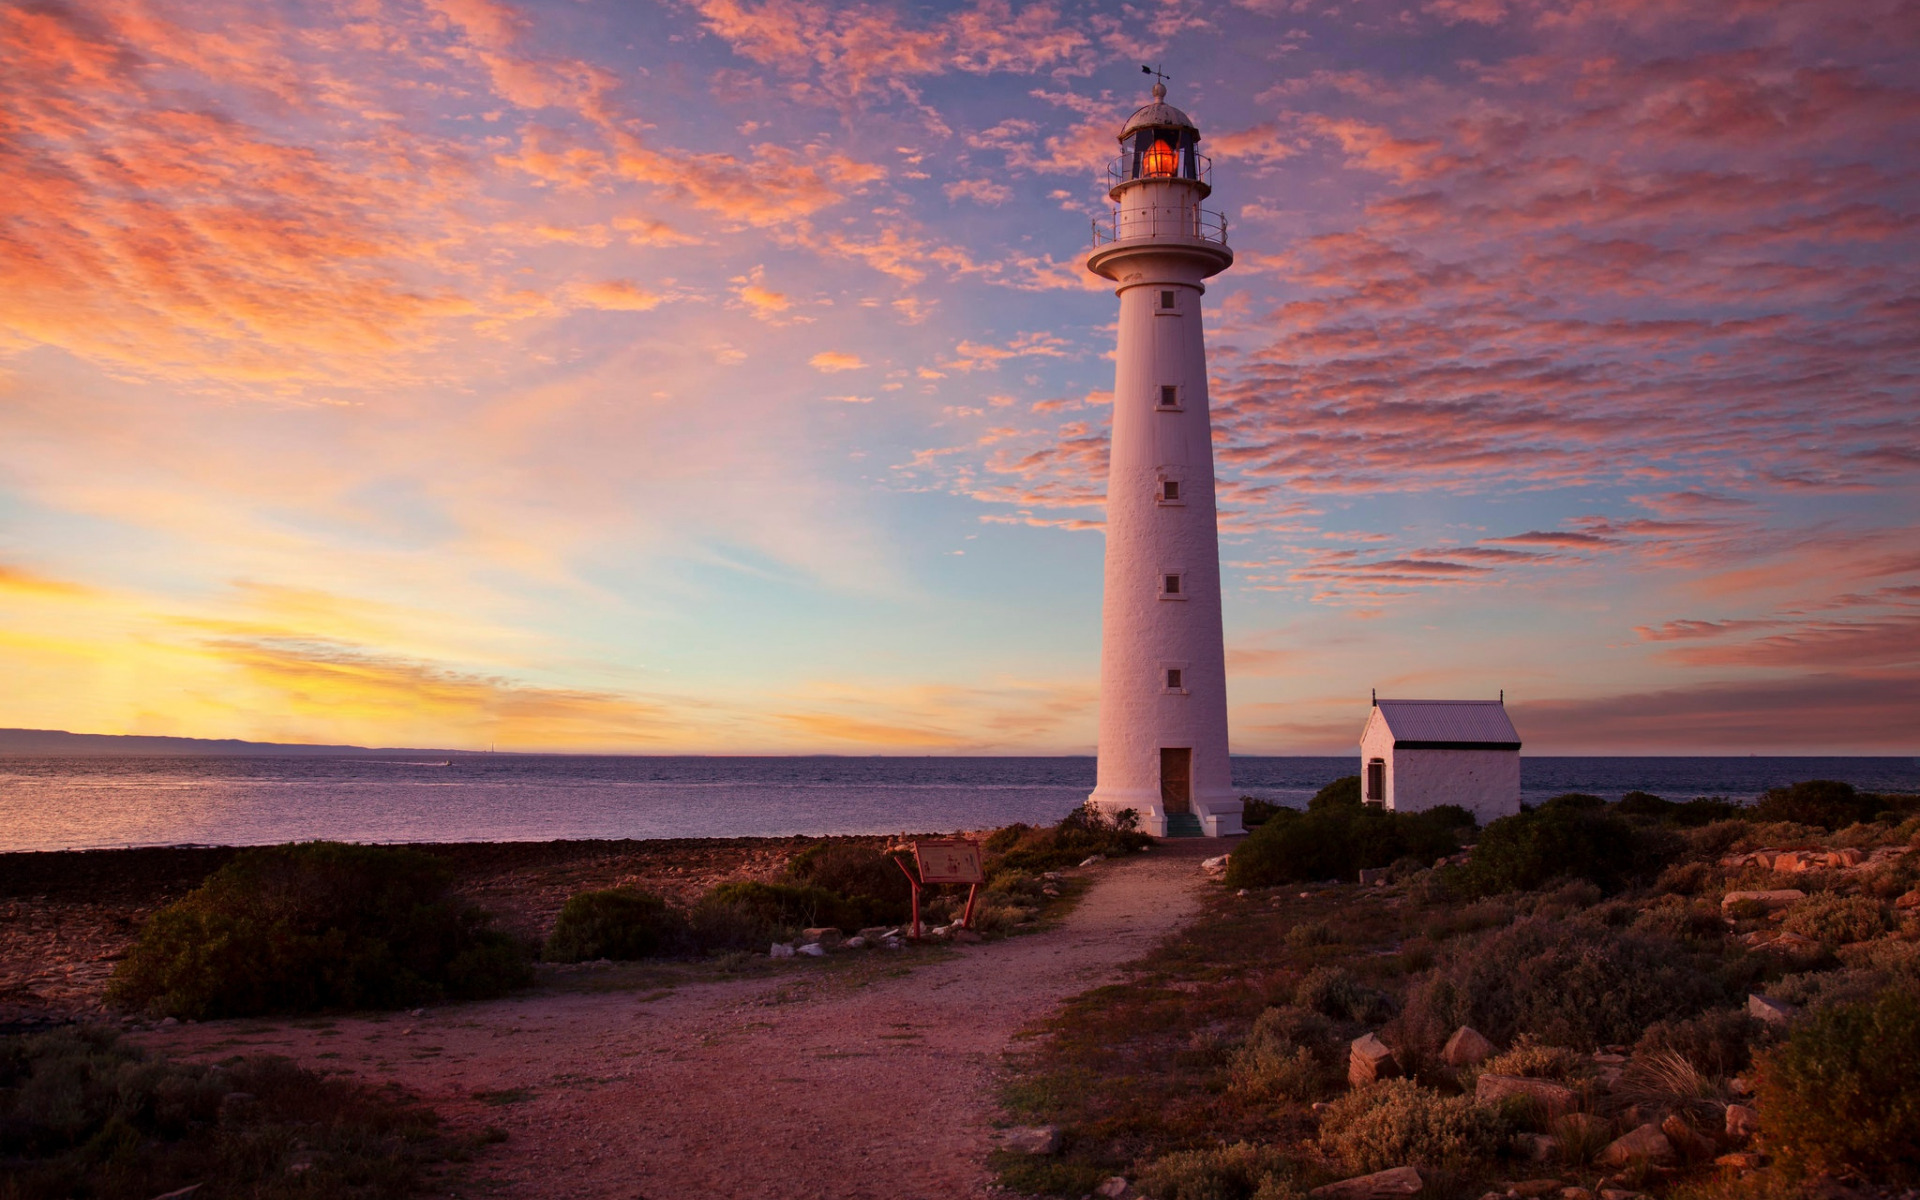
60,803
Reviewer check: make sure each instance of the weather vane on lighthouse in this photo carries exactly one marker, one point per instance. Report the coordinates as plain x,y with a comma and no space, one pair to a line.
1163,677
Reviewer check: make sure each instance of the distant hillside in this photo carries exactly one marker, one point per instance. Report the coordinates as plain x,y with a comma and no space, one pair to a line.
55,743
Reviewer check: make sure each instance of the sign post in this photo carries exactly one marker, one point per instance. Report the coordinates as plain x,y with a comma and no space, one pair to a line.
948,860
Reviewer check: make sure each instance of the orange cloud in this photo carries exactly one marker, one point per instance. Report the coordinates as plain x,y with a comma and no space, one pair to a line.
832,361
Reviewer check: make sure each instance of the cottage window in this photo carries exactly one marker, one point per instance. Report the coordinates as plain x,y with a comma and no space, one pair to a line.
1376,781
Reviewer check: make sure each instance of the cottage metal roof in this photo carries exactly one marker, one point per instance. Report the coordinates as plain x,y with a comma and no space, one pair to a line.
1453,723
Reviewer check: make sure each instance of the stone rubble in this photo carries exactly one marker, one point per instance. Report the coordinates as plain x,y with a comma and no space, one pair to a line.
1381,1185
1466,1048
1369,1059
1644,1143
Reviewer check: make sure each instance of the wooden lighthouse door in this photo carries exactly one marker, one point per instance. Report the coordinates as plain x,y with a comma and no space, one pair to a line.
1176,779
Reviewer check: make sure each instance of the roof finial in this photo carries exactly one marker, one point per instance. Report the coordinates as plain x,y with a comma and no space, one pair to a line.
1376,696
1160,82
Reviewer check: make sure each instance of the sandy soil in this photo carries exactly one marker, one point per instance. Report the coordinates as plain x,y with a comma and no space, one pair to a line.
866,1075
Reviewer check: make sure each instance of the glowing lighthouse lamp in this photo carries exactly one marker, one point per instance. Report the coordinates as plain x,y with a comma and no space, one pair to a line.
1163,680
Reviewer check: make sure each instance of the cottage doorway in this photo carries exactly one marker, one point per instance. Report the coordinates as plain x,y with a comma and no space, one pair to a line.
1176,779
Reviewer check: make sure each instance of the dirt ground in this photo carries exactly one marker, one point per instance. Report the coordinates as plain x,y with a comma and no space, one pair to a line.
868,1074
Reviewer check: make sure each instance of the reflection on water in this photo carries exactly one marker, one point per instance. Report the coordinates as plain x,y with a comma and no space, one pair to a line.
56,803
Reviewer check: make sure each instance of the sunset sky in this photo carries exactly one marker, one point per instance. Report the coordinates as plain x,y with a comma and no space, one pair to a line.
720,376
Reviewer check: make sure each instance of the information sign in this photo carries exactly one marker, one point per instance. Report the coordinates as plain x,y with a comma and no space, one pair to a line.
950,861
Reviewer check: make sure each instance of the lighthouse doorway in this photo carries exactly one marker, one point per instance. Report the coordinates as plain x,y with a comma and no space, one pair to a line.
1176,779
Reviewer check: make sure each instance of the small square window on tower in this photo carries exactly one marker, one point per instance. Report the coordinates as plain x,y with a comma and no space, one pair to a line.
1169,395
1173,680
1170,491
1166,299
1173,585
1173,677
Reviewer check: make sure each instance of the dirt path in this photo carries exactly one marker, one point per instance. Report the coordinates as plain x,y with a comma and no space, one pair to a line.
833,1081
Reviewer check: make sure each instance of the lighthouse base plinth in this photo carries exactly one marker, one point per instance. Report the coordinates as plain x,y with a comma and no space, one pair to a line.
1218,809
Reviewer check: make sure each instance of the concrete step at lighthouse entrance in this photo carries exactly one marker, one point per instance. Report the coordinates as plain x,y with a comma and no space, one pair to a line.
1184,824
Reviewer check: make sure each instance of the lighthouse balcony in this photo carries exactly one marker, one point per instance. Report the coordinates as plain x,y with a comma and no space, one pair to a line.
1182,222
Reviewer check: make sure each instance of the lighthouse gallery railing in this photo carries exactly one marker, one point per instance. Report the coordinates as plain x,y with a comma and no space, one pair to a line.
1182,221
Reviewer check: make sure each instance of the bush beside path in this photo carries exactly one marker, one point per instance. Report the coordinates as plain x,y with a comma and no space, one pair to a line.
869,1075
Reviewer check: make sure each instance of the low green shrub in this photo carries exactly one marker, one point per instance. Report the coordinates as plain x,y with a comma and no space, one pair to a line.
1534,1059
1242,1171
1084,832
1255,811
1290,1052
1563,838
1828,803
1569,982
747,913
620,923
1644,804
1718,1042
1334,992
1343,792
85,1114
867,877
319,925
1837,920
1335,841
1399,1123
1842,1094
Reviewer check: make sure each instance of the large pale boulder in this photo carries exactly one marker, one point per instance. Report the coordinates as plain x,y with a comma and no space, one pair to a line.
1645,1143
1370,1059
1466,1048
1381,1185
1742,1122
1773,1012
1033,1139
1552,1098
1772,898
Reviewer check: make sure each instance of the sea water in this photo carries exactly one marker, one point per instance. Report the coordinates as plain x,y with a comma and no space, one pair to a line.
61,803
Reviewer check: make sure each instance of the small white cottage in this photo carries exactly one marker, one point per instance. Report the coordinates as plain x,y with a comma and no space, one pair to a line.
1419,754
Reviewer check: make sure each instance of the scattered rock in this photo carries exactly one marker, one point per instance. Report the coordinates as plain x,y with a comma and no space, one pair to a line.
877,933
180,1193
1529,1188
1369,1060
1909,901
856,942
1742,1122
1773,898
1551,1097
1684,1138
1217,865
1536,1147
1620,1194
1741,1160
1773,1012
828,939
1739,1086
1381,1185
1646,1143
299,1168
1466,1048
1575,1193
962,934
1116,1188
167,1022
812,950
1089,861
1032,1139
780,950
1373,875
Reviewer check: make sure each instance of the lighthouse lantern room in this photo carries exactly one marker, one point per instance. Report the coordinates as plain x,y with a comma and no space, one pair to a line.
1163,685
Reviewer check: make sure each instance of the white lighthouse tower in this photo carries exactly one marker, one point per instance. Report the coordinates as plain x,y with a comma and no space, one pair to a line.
1163,676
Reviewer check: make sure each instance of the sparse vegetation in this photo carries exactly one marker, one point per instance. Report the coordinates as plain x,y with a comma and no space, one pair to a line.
85,1114
1337,837
319,925
1842,1094
1588,940
618,923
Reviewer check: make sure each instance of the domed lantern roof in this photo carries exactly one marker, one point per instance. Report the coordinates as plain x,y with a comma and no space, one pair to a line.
1159,115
